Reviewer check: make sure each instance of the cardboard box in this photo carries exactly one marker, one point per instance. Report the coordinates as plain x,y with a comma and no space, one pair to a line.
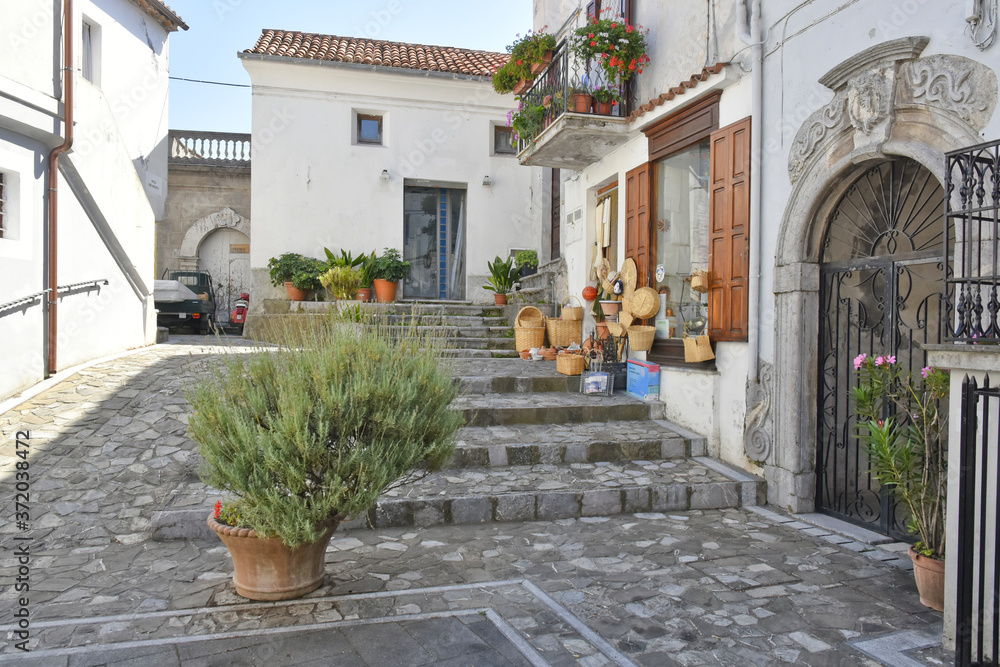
643,379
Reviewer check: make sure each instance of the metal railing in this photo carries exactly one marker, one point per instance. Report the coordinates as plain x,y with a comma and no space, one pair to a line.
567,74
977,600
209,148
29,300
972,234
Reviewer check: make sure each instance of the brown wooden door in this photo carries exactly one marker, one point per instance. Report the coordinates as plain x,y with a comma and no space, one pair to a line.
729,240
555,187
637,206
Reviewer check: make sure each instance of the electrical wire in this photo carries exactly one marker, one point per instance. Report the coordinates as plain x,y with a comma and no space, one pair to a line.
214,83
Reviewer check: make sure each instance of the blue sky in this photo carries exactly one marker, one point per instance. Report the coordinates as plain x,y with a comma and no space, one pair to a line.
221,28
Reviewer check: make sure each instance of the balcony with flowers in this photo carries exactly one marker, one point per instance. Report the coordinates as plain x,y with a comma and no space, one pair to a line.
574,96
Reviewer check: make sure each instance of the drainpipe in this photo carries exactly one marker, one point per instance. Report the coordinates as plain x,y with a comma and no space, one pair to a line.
750,32
53,221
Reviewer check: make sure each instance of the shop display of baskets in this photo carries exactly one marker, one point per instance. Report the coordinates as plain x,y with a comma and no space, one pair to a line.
569,364
529,329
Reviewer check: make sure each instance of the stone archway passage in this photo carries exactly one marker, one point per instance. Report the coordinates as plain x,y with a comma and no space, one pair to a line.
227,218
880,294
225,254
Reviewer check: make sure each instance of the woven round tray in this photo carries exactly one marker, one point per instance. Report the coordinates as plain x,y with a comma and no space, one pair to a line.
645,303
629,272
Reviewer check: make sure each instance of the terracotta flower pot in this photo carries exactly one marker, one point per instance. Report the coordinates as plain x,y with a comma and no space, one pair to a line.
523,86
610,308
266,569
538,68
929,575
603,108
294,293
501,299
385,290
581,102
365,294
602,330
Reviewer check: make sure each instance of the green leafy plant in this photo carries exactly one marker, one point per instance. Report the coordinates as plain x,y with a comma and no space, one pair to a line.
905,436
367,270
596,310
528,120
603,95
284,268
390,266
345,258
309,271
615,44
323,425
507,76
532,47
342,281
503,275
526,258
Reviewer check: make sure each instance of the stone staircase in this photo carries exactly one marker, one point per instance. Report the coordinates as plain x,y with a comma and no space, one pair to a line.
544,288
533,448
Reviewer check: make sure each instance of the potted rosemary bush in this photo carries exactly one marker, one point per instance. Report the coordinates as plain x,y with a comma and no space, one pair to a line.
305,436
905,436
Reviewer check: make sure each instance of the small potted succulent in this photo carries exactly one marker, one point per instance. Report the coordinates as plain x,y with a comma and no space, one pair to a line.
302,437
389,269
503,275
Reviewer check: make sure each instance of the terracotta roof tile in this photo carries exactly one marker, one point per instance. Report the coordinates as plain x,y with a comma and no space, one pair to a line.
163,14
680,89
310,46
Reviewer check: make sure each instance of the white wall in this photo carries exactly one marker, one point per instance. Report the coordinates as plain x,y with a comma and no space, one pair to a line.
314,188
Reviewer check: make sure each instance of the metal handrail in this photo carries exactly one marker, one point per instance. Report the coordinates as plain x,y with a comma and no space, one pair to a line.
24,300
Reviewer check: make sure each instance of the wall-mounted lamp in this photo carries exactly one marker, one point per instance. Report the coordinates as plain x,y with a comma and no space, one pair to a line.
385,176
487,181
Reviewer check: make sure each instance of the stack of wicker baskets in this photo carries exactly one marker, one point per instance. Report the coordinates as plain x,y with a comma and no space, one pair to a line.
644,303
529,329
568,329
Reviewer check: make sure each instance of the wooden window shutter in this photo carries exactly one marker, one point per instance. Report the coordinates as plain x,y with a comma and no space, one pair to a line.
637,205
729,236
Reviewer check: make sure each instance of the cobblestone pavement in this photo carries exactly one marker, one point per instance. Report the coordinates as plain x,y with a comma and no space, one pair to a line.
700,587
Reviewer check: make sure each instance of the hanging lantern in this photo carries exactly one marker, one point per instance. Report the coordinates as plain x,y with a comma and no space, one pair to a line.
589,293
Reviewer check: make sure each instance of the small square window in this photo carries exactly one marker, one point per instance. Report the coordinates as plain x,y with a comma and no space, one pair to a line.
369,129
503,141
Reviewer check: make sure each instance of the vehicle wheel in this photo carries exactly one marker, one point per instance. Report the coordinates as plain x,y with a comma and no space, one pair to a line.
206,327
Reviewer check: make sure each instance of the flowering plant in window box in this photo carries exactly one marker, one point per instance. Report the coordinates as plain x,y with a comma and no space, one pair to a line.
617,46
534,49
528,120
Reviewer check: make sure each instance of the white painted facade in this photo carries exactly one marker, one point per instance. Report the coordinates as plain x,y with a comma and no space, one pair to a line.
803,42
315,186
119,152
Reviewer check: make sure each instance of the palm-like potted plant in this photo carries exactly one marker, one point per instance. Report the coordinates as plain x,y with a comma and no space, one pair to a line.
904,433
367,271
389,269
503,275
302,437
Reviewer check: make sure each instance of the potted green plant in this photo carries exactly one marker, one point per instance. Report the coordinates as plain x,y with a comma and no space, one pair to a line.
527,262
304,436
503,275
388,271
534,49
367,272
528,120
307,277
603,99
285,269
342,281
905,436
345,258
617,46
581,99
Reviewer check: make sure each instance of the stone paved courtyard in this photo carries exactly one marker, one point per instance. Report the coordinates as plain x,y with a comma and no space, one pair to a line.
738,586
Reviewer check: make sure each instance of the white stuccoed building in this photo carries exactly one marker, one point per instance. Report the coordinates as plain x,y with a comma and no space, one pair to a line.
111,184
363,144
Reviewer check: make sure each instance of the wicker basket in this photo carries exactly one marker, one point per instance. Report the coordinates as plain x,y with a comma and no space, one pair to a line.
563,333
526,338
530,317
573,313
569,364
640,338
697,348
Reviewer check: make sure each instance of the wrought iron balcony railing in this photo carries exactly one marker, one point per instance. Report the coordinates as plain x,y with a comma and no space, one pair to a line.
972,233
209,148
566,75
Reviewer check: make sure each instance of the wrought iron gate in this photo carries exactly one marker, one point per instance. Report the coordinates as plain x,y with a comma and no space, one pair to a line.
880,294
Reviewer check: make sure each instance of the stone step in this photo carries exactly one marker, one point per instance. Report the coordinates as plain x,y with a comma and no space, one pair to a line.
452,331
464,353
531,444
517,384
468,343
540,279
550,408
552,492
460,321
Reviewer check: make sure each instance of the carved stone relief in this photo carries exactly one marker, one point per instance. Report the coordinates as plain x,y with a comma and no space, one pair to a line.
953,83
759,426
814,131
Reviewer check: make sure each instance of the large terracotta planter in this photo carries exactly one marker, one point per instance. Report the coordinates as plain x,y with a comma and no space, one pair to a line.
365,294
523,86
602,108
266,569
294,293
385,290
610,308
581,102
602,330
501,299
929,575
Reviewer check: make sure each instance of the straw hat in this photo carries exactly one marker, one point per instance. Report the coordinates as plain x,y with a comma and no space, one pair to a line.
629,272
645,303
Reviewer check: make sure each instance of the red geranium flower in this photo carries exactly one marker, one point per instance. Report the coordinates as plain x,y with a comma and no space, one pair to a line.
218,508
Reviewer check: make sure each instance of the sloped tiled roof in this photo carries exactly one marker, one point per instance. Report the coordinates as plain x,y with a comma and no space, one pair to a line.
165,16
677,90
310,46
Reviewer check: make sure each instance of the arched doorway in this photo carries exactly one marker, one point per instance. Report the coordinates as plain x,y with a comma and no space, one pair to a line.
225,254
881,277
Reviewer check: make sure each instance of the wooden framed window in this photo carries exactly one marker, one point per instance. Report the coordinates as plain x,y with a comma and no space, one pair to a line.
729,255
503,140
369,129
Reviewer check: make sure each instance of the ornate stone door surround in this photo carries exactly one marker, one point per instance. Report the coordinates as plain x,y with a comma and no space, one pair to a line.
887,101
188,260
